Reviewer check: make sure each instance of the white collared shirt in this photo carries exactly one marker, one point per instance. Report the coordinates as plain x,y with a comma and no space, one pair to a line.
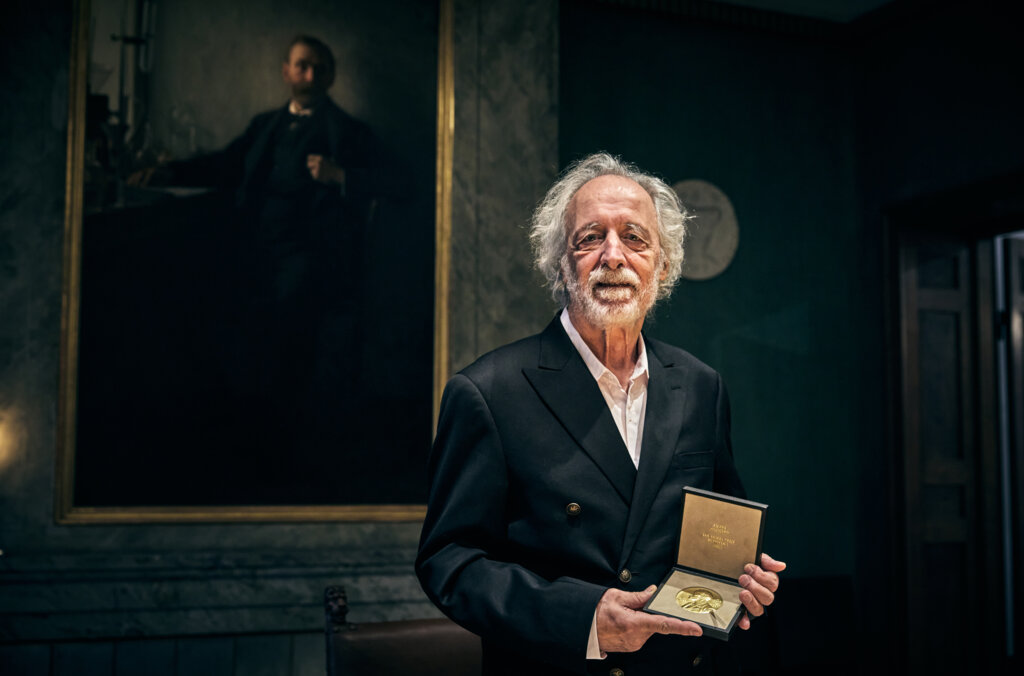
628,407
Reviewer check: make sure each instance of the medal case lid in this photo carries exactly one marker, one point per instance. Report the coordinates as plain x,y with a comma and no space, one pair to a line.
720,534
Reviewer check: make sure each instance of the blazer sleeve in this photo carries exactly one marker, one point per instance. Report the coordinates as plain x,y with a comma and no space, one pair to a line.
464,563
221,169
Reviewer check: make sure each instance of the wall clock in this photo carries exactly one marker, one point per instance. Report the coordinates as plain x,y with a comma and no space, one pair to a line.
714,233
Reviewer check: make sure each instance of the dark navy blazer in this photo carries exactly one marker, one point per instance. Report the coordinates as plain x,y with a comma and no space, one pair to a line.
523,432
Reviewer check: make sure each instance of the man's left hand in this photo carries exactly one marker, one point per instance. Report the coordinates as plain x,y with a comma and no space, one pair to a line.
759,586
323,170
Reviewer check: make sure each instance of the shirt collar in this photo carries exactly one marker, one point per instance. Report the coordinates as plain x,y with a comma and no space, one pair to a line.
294,109
594,365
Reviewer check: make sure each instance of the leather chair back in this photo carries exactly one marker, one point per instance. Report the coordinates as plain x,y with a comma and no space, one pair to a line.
435,647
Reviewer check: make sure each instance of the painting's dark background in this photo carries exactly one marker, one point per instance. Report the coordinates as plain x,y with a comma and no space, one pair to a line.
189,393
813,133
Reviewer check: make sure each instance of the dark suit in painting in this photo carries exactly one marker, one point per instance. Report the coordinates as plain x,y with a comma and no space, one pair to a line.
290,272
524,432
278,204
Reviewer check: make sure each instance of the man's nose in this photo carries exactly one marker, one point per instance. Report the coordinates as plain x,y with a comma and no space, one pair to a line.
612,254
308,74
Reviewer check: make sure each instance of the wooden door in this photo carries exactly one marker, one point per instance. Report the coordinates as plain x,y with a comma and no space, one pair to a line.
1014,326
951,573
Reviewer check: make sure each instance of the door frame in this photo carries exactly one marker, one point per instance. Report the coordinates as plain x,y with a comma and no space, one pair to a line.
973,214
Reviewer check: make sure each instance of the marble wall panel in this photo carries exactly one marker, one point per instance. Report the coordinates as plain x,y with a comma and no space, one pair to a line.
27,660
462,298
155,658
506,158
59,583
285,654
205,655
152,596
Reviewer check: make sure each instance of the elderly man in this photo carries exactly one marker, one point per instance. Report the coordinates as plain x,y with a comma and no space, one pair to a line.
559,461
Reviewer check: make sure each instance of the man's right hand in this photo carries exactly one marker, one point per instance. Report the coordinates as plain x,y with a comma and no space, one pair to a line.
622,627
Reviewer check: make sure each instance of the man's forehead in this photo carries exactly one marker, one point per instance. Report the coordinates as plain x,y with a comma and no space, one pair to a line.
303,51
611,191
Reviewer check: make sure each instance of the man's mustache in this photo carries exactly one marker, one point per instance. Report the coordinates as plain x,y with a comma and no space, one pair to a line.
617,277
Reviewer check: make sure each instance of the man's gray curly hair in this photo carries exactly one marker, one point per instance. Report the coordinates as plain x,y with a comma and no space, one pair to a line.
549,230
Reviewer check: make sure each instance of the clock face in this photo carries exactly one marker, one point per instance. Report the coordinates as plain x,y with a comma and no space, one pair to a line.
714,232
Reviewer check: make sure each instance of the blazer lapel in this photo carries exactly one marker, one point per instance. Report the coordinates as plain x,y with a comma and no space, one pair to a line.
566,386
666,400
335,124
259,148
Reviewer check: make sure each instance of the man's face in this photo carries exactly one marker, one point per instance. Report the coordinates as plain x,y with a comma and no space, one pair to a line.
304,74
614,260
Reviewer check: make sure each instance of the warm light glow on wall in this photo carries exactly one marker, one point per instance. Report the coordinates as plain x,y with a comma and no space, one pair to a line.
8,434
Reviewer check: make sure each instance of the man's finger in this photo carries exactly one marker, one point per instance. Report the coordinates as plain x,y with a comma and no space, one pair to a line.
770,564
744,622
763,595
769,581
660,624
751,603
633,600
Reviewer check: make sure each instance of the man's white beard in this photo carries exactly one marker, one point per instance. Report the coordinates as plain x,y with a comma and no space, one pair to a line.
605,306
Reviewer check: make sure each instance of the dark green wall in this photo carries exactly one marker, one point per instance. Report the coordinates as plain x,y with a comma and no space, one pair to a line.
941,100
768,120
814,136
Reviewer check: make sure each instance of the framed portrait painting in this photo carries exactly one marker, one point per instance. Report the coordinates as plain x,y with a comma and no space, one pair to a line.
258,208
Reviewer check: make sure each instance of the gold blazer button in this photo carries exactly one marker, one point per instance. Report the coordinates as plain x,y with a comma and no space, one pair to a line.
625,575
573,509
616,672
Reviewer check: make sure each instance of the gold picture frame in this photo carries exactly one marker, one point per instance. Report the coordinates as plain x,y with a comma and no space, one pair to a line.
67,510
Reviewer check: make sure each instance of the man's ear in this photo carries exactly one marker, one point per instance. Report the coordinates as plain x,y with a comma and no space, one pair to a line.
284,71
663,275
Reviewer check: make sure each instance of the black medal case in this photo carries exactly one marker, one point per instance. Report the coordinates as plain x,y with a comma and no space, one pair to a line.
719,535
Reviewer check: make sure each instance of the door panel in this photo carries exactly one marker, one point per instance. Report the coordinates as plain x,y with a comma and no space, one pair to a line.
1014,267
940,361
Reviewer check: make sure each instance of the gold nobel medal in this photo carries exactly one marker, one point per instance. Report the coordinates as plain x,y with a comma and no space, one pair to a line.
699,600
